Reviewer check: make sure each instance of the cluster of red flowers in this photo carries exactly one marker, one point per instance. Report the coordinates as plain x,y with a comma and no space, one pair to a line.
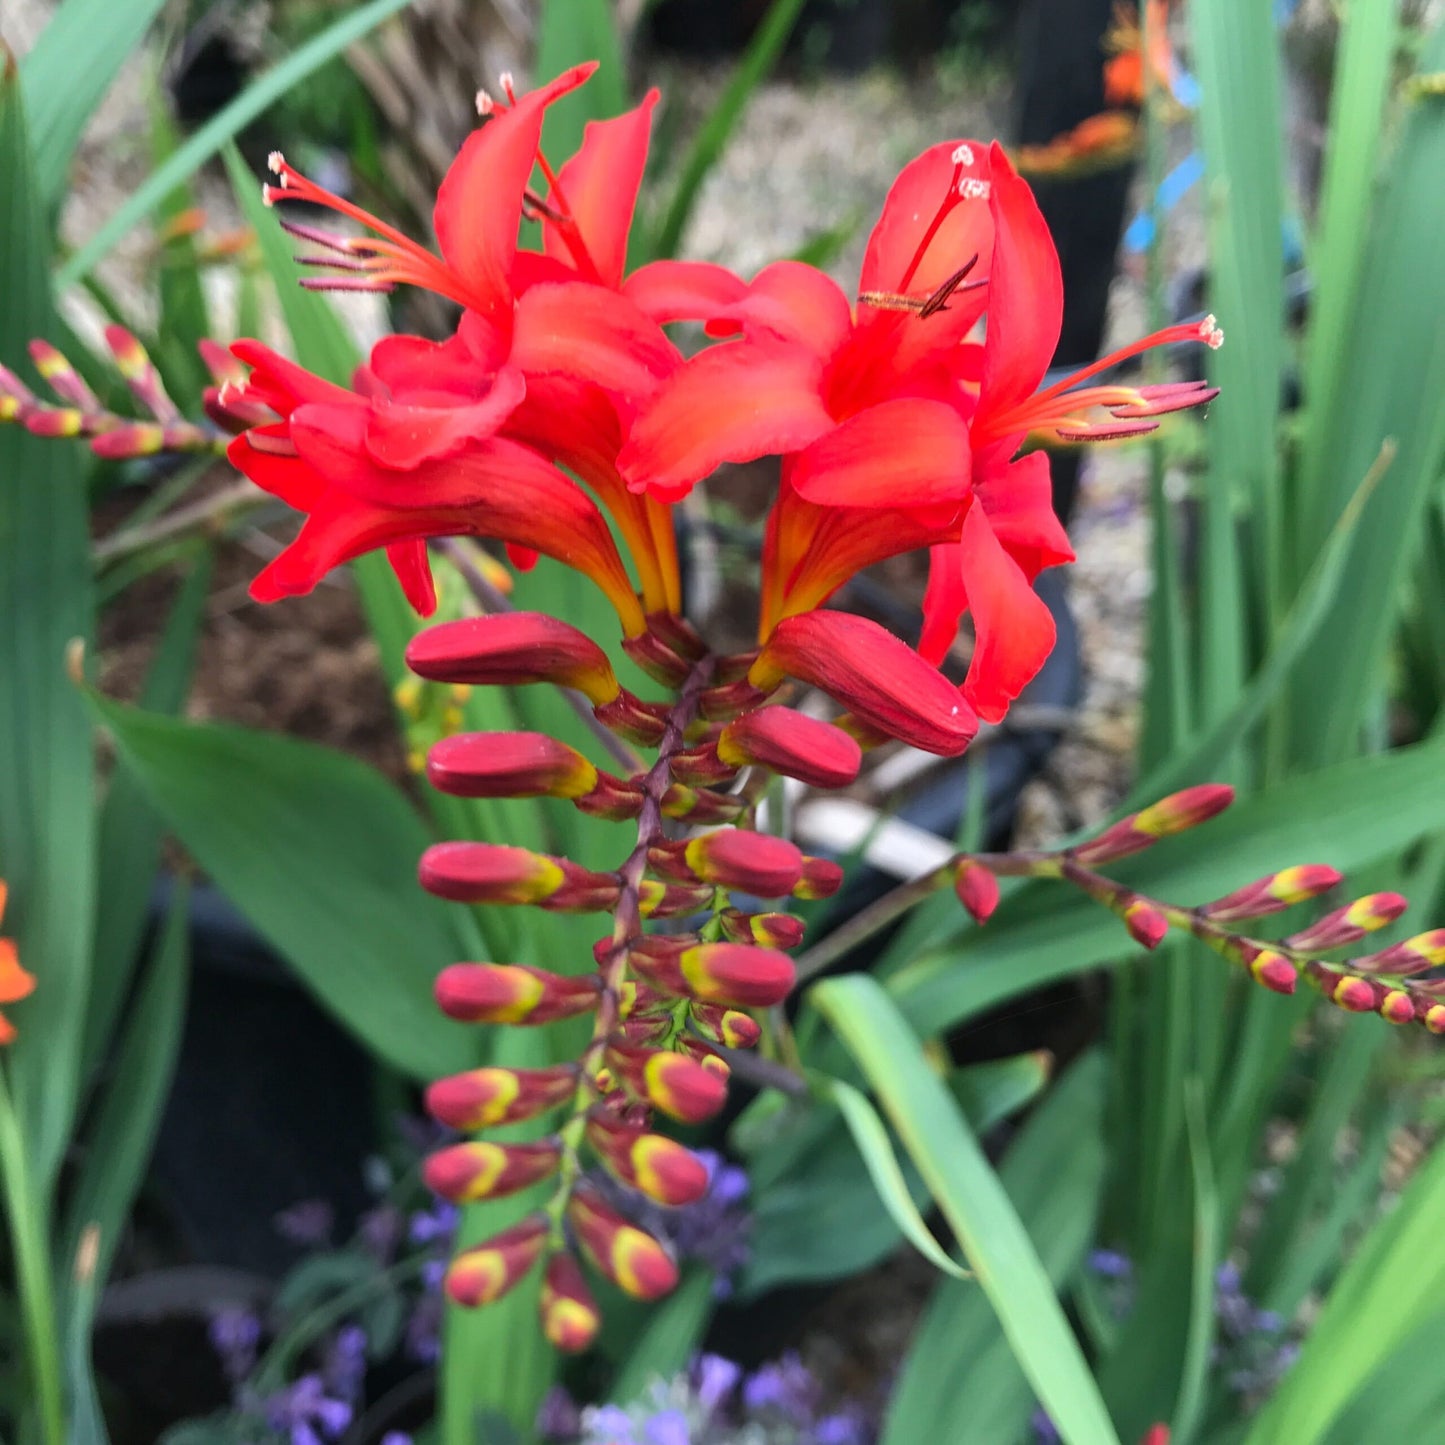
560,414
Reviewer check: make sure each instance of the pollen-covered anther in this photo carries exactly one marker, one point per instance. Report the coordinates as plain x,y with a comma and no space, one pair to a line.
487,1097
661,1168
512,993
793,745
483,1274
570,1317
631,1259
465,1173
1210,333
509,765
499,873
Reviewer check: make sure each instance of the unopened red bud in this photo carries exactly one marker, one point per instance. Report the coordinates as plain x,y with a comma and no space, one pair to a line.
1397,1007
497,873
485,1273
513,648
1142,830
509,765
977,889
570,1317
1145,923
738,858
483,1098
481,1170
663,1169
1414,955
1274,893
685,1089
702,806
66,382
822,878
1435,1018
726,1026
793,744
1274,971
866,669
631,1259
512,993
1350,923
737,975
1354,994
772,930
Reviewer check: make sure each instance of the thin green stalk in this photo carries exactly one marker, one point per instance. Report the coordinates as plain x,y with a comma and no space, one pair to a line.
32,1269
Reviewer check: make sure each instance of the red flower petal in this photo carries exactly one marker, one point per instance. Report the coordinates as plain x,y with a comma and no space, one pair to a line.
281,384
479,204
904,453
682,290
583,331
286,476
732,403
404,437
792,301
1019,505
599,188
413,570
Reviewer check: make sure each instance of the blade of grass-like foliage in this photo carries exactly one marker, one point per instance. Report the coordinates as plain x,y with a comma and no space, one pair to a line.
1376,807
960,1384
994,1241
757,61
129,843
67,73
350,27
1392,381
1368,37
1403,1399
47,816
1198,1346
568,32
319,852
1390,1288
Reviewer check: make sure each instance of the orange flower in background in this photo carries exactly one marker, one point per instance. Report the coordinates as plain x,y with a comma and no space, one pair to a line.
15,983
1125,78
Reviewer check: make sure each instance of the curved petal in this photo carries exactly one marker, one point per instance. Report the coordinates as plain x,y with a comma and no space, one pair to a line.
281,384
524,559
409,562
1019,504
284,475
1013,630
682,290
793,301
945,600
403,437
584,331
732,403
479,203
905,453
412,369
598,188
1025,296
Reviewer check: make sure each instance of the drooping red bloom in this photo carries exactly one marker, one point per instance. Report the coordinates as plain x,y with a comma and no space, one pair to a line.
15,982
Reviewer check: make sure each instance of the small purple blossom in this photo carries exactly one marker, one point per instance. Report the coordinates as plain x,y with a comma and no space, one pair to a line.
305,1413
668,1427
1110,1264
424,1328
784,1387
380,1232
1045,1432
613,1422
234,1334
844,1428
345,1369
307,1224
558,1418
714,1379
436,1225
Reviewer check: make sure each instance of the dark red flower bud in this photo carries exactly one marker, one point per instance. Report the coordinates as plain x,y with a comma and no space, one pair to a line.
733,974
570,1317
631,1259
726,1026
512,648
673,900
1145,923
1185,809
772,930
1397,1007
702,806
793,744
484,1098
1274,893
865,668
482,1170
1350,923
661,1168
682,1088
509,765
497,873
822,878
485,1273
1274,971
977,889
739,858
512,993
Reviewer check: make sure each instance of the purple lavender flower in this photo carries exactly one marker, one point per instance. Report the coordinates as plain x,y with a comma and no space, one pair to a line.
424,1328
306,1414
307,1224
234,1334
380,1231
844,1428
612,1421
784,1388
345,1368
668,1427
559,1418
1110,1264
713,1381
396,1437
1045,1432
435,1225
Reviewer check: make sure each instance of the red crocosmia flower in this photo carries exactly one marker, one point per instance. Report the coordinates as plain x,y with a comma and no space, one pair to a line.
15,983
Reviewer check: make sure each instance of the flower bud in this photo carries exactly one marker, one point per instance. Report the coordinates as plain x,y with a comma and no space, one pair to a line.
63,378
1349,924
792,744
822,878
512,993
701,806
682,1088
1146,925
1425,950
485,1098
1274,971
631,1259
738,858
465,1173
509,765
1274,893
1345,990
570,1317
726,1026
866,669
1397,1007
498,873
977,889
1434,1018
663,1169
1185,809
772,930
512,648
485,1273
673,900
734,974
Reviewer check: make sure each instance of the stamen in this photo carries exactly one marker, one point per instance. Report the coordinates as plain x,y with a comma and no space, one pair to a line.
485,104
939,300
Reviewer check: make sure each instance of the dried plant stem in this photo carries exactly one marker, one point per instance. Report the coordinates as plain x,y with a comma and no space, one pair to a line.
210,514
